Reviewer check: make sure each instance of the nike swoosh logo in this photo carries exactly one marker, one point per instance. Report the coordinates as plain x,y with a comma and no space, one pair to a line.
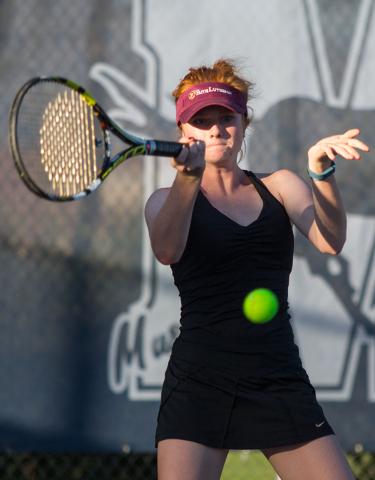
320,424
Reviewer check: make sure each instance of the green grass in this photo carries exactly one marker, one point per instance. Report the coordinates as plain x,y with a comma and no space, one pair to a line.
252,465
247,465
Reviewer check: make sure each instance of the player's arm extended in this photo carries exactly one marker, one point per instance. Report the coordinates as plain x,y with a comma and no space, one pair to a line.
168,211
319,213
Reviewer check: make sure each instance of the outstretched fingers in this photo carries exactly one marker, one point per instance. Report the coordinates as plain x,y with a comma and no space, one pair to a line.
345,145
345,151
354,142
353,132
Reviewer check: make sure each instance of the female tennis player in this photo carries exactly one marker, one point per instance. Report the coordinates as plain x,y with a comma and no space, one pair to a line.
230,383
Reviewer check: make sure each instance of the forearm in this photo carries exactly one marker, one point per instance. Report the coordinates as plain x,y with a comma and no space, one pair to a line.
330,217
170,228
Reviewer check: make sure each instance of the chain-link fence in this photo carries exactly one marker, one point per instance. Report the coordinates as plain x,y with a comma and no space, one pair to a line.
77,466
239,466
68,271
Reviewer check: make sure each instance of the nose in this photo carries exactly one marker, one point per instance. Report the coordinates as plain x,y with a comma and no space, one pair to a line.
215,131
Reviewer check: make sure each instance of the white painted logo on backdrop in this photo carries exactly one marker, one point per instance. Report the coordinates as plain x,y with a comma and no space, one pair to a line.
141,337
341,327
333,312
340,100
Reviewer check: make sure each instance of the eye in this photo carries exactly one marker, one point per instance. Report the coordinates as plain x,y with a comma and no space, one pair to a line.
199,121
228,118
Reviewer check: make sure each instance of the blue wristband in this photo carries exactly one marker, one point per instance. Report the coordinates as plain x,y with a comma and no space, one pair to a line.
322,176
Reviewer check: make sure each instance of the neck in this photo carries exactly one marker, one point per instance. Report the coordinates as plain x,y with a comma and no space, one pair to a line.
222,179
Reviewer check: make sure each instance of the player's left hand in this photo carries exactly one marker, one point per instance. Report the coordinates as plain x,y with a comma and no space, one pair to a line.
325,151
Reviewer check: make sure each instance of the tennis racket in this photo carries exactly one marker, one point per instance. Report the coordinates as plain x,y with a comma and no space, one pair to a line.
59,139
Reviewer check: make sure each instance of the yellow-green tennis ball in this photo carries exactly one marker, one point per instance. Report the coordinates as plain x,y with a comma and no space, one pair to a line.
260,305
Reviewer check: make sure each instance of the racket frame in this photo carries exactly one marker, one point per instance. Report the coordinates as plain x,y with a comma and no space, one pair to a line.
138,146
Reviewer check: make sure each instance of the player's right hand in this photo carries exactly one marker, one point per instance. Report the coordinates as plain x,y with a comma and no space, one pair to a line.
191,160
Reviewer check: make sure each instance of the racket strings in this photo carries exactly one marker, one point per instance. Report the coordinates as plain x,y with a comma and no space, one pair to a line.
68,143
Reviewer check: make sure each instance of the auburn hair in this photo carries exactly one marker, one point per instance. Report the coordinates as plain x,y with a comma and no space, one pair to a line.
224,71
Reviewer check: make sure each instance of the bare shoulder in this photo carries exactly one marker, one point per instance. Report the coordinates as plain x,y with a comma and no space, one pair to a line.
155,202
284,183
278,176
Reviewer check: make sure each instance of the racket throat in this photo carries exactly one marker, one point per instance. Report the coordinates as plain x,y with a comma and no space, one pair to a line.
150,147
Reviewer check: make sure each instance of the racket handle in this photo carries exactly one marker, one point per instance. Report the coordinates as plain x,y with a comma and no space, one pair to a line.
163,149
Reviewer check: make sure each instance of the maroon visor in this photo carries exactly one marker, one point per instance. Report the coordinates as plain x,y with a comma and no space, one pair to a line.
209,93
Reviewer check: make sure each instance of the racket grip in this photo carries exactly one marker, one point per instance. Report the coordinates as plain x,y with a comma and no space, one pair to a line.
164,149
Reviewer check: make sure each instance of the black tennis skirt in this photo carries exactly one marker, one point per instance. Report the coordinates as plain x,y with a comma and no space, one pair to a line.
237,400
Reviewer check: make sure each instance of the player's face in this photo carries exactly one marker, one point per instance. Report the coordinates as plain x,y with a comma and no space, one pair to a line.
222,131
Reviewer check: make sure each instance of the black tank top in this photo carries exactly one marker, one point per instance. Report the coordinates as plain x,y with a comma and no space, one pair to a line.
223,261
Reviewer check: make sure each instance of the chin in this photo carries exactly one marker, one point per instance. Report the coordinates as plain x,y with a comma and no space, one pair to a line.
212,157
216,155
